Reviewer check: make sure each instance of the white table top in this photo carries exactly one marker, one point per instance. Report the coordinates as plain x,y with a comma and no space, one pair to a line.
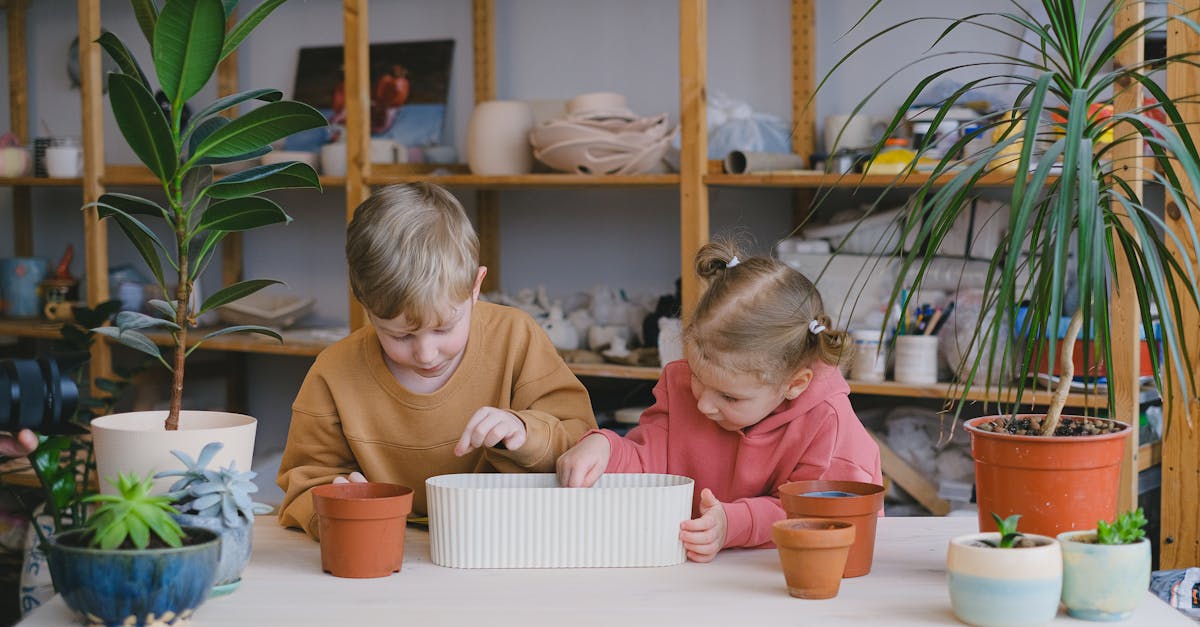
284,585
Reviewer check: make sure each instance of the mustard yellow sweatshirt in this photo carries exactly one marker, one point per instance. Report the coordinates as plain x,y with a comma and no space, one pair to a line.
351,413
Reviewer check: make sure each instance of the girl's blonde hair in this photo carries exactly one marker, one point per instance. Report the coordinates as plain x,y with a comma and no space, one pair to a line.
412,252
755,316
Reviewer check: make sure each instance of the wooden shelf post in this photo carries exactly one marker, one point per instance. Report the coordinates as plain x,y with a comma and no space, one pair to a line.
693,194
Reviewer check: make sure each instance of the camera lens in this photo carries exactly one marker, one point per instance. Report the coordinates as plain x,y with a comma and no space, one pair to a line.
39,394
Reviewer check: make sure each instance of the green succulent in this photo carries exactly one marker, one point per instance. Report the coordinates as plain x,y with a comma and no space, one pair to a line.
1128,528
1008,531
132,515
223,493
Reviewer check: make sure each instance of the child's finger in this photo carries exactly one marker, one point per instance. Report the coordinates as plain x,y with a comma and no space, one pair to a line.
701,557
698,538
357,477
697,524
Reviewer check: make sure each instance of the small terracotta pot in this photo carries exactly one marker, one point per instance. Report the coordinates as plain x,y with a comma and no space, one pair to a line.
851,501
362,527
813,552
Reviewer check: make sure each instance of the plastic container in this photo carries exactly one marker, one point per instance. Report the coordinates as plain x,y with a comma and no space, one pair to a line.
895,158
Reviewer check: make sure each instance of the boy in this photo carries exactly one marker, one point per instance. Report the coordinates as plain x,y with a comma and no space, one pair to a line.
437,382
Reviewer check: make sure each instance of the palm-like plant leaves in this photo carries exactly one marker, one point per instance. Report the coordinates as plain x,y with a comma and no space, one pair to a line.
1068,198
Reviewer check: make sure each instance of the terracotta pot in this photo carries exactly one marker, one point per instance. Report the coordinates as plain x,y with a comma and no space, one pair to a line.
361,527
860,504
1103,582
1056,484
813,552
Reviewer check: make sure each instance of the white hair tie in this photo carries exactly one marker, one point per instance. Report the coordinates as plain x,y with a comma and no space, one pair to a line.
733,262
815,327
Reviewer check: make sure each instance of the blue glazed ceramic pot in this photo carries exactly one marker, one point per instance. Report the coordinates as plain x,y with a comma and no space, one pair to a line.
1103,581
991,587
131,587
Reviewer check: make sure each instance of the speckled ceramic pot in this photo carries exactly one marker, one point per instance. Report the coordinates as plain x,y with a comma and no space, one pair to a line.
131,587
1103,581
991,587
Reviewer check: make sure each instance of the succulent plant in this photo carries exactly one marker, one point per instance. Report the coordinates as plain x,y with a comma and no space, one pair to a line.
223,494
1129,527
133,514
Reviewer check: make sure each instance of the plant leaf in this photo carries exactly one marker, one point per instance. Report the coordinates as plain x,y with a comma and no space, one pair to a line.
134,340
132,320
146,12
240,214
245,328
124,59
163,307
258,128
220,104
235,292
286,175
142,238
251,21
187,45
195,181
143,125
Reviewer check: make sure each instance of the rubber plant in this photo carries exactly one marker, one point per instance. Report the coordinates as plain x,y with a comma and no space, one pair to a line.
188,39
1073,207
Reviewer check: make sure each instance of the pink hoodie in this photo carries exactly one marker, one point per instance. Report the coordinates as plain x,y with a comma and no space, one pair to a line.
815,436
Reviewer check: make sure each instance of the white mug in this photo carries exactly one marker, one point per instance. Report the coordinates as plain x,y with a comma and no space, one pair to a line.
333,159
64,161
870,356
916,359
383,151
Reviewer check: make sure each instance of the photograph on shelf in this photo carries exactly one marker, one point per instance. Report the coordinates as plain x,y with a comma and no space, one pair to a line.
409,86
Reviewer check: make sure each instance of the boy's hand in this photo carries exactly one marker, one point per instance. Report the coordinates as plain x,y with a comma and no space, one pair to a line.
355,477
582,465
489,427
703,537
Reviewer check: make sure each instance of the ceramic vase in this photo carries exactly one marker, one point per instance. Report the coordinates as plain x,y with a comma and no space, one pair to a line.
993,587
137,442
236,546
362,527
1103,582
812,553
133,587
19,279
852,501
498,138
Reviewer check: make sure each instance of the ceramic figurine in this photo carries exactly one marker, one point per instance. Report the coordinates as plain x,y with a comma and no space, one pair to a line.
562,333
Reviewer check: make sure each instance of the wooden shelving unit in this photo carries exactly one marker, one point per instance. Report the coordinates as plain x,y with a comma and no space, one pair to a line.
693,182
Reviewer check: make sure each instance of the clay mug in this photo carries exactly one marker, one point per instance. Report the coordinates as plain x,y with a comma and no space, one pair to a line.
333,159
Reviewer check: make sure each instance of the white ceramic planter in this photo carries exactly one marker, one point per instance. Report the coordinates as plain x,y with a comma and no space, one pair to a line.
1104,582
137,442
527,521
992,587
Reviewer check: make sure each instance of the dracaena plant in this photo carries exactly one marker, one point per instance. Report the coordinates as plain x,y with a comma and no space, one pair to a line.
188,39
1074,205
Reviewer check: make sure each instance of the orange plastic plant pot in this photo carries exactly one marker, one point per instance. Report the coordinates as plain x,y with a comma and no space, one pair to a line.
861,507
362,527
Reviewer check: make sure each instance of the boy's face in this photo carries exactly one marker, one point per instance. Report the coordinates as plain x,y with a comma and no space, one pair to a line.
432,351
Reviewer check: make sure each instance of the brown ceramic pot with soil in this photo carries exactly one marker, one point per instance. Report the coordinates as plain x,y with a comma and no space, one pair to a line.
813,552
1057,483
853,501
362,527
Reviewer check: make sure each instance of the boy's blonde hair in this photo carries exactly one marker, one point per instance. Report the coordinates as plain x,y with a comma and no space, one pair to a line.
754,316
412,252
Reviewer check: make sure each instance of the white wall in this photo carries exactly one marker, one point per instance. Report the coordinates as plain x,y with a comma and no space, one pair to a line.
567,240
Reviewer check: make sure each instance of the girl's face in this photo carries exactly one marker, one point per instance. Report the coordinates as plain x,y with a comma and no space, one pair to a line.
734,399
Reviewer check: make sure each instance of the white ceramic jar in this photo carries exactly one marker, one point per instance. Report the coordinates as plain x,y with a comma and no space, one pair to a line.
498,138
870,357
916,359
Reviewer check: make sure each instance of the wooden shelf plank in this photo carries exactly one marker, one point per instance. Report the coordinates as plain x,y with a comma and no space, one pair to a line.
386,175
811,179
37,181
140,176
951,391
30,327
616,371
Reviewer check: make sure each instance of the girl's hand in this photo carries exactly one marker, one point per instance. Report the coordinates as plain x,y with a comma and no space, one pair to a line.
489,427
582,465
354,477
703,537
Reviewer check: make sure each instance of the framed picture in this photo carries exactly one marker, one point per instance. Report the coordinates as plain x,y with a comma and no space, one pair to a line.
409,85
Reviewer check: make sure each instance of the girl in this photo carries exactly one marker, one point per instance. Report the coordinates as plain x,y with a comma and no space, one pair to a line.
759,401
